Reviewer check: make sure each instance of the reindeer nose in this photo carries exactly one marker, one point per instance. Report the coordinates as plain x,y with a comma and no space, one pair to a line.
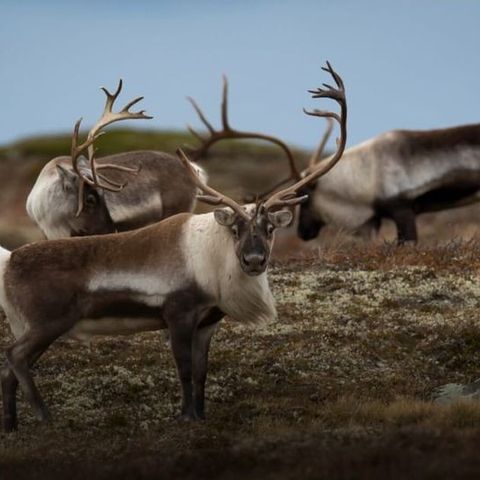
254,260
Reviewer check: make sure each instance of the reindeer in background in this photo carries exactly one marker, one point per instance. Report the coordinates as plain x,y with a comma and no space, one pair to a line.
397,175
184,273
73,196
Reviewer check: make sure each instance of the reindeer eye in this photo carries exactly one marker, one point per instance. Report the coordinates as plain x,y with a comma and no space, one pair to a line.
235,230
90,200
270,228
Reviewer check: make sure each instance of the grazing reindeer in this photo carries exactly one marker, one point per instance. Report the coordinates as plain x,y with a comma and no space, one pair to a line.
397,175
73,197
184,273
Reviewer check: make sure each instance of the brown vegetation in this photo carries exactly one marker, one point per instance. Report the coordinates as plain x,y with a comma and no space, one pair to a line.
338,387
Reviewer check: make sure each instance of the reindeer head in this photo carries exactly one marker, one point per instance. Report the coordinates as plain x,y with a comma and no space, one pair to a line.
252,232
251,226
94,217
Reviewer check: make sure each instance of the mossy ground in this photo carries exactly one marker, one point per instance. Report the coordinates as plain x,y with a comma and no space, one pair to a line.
338,387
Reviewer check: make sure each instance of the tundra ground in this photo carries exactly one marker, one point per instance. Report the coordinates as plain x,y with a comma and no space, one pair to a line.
338,387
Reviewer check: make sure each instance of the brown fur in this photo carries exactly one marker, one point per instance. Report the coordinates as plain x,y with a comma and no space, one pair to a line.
47,278
417,142
161,188
159,171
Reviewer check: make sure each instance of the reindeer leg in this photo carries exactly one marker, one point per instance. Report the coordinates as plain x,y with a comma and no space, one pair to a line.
181,336
9,393
369,229
404,218
200,348
20,357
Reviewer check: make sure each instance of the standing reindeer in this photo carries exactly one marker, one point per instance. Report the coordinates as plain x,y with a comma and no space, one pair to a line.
184,273
73,197
397,175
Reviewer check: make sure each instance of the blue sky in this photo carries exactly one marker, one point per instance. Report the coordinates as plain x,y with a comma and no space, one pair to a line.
406,64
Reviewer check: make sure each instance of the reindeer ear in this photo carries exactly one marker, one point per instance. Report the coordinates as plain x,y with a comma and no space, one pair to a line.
280,219
224,216
82,162
67,177
84,166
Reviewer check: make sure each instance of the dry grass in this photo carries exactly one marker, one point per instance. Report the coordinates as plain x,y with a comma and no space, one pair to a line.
401,412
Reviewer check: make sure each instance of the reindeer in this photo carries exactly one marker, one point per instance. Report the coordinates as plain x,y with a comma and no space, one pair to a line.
73,197
397,175
184,273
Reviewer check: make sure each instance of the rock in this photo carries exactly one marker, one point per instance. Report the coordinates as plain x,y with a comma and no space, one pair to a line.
454,392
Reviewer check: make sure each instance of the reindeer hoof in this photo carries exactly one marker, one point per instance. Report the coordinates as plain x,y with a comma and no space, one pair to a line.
186,417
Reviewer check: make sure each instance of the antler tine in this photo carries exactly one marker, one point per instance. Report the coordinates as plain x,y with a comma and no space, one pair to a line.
336,77
120,168
288,196
201,115
317,155
227,132
211,196
322,113
129,105
225,122
111,97
195,134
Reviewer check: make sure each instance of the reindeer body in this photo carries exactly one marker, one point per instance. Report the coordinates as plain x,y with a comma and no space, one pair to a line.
397,175
181,274
161,188
130,276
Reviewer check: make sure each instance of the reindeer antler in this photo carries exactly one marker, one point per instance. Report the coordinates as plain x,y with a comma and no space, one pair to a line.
211,196
288,196
314,159
108,117
318,153
228,132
